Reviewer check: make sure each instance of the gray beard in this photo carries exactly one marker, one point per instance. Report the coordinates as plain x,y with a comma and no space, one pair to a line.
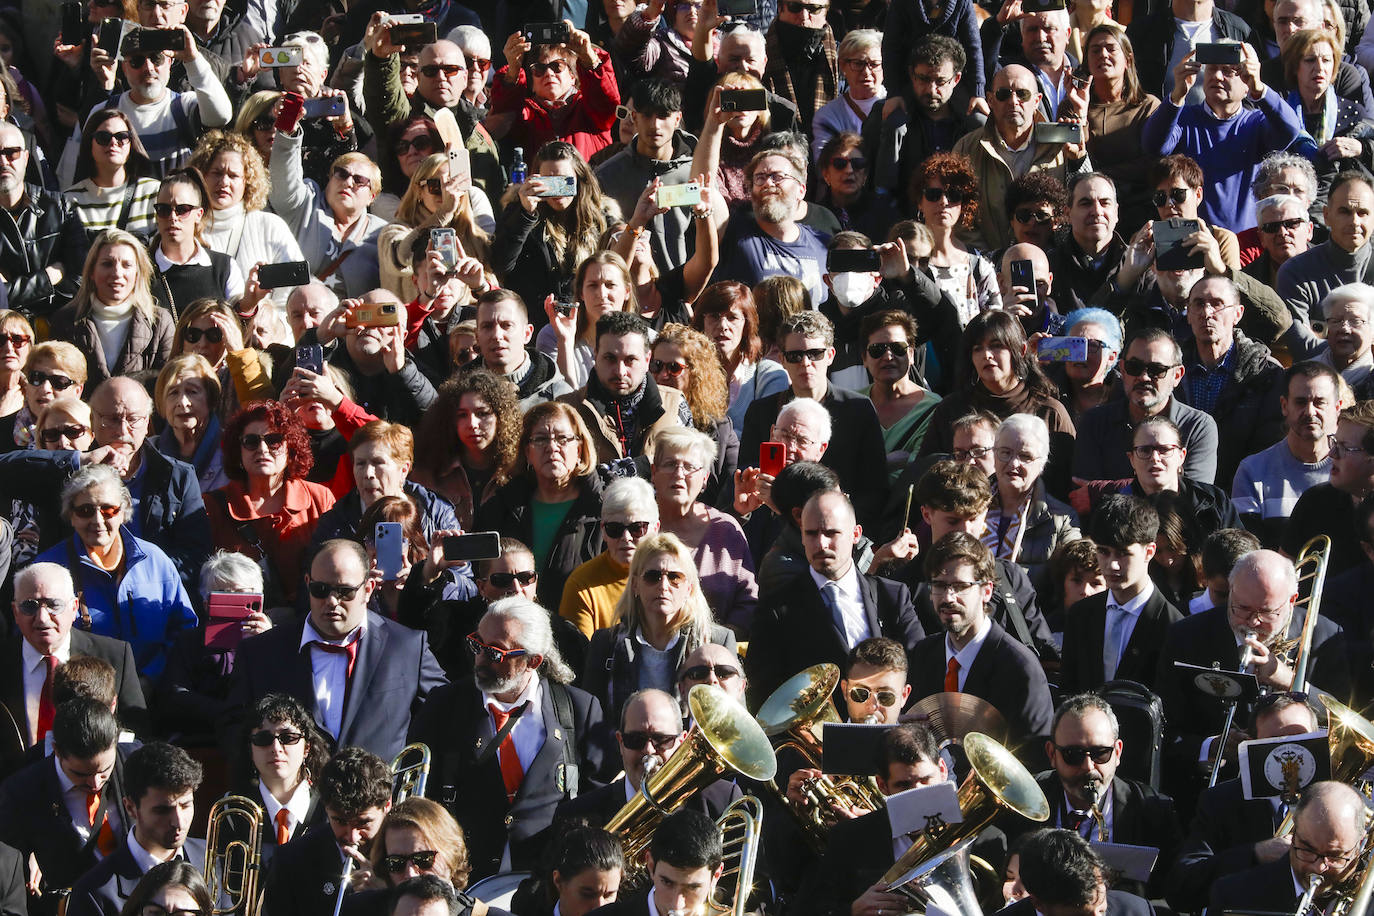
774,211
494,685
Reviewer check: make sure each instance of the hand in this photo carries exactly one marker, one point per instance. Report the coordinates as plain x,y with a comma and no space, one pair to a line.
747,497
979,105
515,50
1139,255
1250,72
251,65
68,54
255,623
653,11
708,198
377,37
646,208
335,324
103,66
1021,302
876,901
253,293
794,786
528,193
1342,148
362,877
470,271
1228,752
1076,151
305,385
394,349
1273,849
1268,667
35,883
1204,243
581,44
341,123
893,262
117,458
904,546
1010,12
1077,96
892,105
189,50
715,117
1185,74
435,563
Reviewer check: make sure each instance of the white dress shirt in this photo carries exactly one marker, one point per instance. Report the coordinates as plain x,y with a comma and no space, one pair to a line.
528,731
1121,620
74,799
35,674
842,595
1105,805
329,673
144,859
297,806
968,653
1200,602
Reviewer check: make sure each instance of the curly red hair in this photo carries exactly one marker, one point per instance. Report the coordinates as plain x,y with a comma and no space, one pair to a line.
299,458
953,171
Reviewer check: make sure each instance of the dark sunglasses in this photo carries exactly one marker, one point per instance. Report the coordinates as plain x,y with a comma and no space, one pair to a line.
421,144
56,433
616,530
139,61
1026,217
843,163
494,655
655,576
105,137
507,579
193,335
796,9
1174,195
796,356
895,347
703,672
935,195
433,70
30,607
423,860
636,741
657,366
323,590
166,210
1075,755
478,64
18,341
88,510
555,67
1278,224
267,739
860,694
58,382
251,441
1022,95
1139,367
434,186
265,122
11,153
347,177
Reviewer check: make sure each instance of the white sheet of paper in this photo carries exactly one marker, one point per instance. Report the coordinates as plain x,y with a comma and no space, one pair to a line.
916,809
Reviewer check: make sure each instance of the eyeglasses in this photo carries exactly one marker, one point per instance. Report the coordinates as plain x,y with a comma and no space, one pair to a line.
1339,448
105,137
655,576
139,61
895,347
860,64
422,860
322,590
1138,367
557,441
507,579
795,8
636,741
193,335
860,694
88,510
17,341
353,178
155,909
1350,322
1278,224
159,4
1146,452
250,442
556,67
117,420
762,179
1173,195
935,195
494,655
616,530
30,607
845,163
674,369
422,143
164,211
703,672
1309,856
938,587
1074,755
449,70
802,443
675,468
1005,93
796,356
57,382
976,453
1005,455
11,153
478,64
267,739
1026,217
58,433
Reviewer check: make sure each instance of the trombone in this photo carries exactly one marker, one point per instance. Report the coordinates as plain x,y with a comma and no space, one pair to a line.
1316,553
232,869
741,831
409,777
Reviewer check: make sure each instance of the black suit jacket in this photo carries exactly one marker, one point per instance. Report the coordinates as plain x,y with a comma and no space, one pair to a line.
1085,629
131,706
103,890
636,904
796,629
857,853
1221,841
1119,903
457,728
1267,888
393,675
1005,673
604,802
13,898
303,878
1013,587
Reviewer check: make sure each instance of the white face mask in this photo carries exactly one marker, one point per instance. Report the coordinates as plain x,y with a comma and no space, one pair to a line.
853,289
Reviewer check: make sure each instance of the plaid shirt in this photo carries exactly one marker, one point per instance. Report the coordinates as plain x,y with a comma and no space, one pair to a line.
778,76
1204,386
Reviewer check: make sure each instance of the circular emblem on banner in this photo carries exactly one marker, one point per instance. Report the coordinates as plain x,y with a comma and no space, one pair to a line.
1217,685
1289,767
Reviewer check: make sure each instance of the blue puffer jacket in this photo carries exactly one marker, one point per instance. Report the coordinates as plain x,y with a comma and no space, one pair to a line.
146,608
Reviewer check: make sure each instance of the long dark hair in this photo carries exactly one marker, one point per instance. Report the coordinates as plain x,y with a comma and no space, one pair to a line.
1004,329
138,165
394,180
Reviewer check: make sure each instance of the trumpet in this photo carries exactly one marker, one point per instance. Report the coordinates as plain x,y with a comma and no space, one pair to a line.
409,777
232,867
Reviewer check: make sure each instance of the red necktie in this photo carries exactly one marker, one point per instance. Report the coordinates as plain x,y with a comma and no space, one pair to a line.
45,707
512,774
351,650
283,820
952,676
104,838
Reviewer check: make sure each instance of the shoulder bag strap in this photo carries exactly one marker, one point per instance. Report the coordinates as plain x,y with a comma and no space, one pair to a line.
1018,619
563,711
334,265
249,535
501,734
127,207
83,620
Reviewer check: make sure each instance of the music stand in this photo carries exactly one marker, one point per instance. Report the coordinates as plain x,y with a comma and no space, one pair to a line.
1231,687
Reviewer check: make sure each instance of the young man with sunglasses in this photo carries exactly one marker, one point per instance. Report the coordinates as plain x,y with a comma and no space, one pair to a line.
1177,182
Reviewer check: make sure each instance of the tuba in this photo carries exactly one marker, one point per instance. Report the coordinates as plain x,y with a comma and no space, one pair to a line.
1350,738
409,777
741,831
233,864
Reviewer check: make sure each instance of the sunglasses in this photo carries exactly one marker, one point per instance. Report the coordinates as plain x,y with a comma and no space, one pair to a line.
30,607
58,382
422,860
1139,367
267,739
844,163
105,137
796,9
434,186
895,347
58,433
88,510
421,144
507,579
1022,95
1278,224
622,112
636,741
796,356
860,694
703,672
139,61
193,335
935,195
616,530
655,576
433,70
353,178
552,66
1074,755
166,210
1173,195
266,122
11,153
478,64
494,655
323,590
17,341
251,441
658,366
1026,217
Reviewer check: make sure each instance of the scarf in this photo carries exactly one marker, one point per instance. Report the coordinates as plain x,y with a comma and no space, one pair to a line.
800,44
734,156
1325,121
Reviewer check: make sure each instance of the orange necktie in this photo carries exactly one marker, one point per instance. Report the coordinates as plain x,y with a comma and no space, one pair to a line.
512,774
104,839
952,676
283,820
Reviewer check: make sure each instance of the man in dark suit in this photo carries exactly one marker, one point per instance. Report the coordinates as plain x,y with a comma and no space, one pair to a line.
306,875
821,616
974,655
1062,875
1328,827
66,810
650,727
1117,633
552,740
159,802
45,606
361,675
1231,833
685,861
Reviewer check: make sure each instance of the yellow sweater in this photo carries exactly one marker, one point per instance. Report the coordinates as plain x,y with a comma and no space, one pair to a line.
592,593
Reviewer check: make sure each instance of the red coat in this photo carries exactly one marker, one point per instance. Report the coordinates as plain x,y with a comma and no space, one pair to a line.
585,122
283,535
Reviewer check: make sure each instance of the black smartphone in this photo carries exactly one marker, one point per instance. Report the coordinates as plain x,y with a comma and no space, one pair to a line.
419,33
1218,52
852,260
287,273
736,7
1170,254
310,356
564,307
480,545
151,41
743,99
547,33
1023,275
1054,132
74,27
111,31
329,106
1042,6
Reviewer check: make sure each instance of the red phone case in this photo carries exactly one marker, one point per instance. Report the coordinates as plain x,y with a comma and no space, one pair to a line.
772,458
226,612
292,107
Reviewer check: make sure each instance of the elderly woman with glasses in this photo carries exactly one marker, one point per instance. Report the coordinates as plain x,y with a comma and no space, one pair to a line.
685,359
51,370
115,187
845,190
592,593
663,617
400,150
187,398
187,269
129,588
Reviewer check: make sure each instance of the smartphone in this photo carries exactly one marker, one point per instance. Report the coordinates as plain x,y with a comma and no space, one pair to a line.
388,539
151,41
1169,251
460,169
404,19
558,185
1063,349
772,458
287,273
743,99
385,315
310,356
226,612
1023,275
1042,6
564,307
292,104
280,57
679,195
418,33
1218,52
736,7
75,30
852,260
330,106
111,31
547,33
1054,132
480,545
445,241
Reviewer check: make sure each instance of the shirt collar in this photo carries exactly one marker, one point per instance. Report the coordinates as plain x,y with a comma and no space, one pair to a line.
531,694
968,653
62,780
200,259
144,859
639,638
298,804
1223,364
33,658
847,584
311,635
1136,604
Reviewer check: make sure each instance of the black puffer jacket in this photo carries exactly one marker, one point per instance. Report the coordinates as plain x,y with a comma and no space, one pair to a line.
40,232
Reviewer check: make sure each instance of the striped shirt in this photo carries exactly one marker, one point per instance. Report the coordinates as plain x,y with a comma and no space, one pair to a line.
99,208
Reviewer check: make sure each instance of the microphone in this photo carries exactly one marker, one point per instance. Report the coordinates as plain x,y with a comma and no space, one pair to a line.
1247,650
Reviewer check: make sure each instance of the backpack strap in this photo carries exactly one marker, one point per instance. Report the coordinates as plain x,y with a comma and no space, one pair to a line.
569,772
127,207
1018,619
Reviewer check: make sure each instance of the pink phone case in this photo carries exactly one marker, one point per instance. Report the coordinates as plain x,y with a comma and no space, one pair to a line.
226,612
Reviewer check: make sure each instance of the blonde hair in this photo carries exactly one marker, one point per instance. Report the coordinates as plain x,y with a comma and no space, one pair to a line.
694,620
412,210
66,406
142,294
188,365
218,142
233,331
65,356
373,170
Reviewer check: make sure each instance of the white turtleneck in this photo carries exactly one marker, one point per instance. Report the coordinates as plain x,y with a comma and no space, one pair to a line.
265,239
112,324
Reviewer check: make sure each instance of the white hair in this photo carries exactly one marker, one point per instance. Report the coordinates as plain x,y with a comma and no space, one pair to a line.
1030,428
1358,293
229,571
536,634
631,497
55,573
91,477
1259,564
684,440
471,41
858,42
311,45
1278,201
808,411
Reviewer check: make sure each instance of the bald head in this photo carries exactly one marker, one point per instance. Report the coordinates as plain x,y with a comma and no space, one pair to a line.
380,296
444,87
1013,75
1333,803
122,408
1026,252
1014,115
653,706
1266,568
710,663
